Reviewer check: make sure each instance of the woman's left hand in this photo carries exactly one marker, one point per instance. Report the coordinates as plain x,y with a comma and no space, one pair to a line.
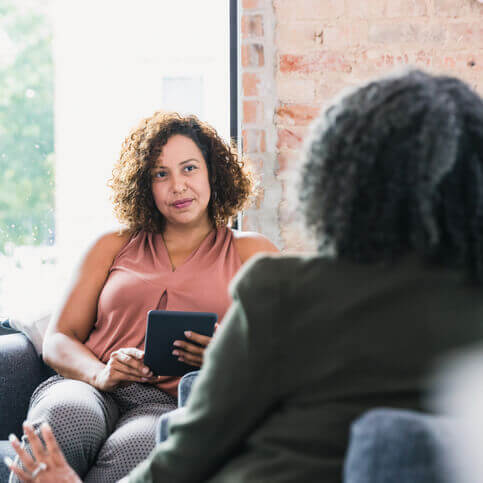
191,354
47,465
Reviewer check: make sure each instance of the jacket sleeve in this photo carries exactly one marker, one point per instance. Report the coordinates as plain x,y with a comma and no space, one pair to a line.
236,388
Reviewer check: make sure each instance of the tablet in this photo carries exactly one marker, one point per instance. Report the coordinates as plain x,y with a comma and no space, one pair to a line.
163,328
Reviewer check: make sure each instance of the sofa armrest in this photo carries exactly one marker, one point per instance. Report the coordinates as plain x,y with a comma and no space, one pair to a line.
184,388
21,371
388,445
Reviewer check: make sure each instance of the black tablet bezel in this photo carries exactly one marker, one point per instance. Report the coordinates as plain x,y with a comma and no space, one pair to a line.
163,327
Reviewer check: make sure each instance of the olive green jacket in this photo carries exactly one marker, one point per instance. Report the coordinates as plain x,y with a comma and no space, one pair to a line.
307,346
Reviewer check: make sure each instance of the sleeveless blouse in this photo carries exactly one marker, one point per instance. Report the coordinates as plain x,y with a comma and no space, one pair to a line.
141,278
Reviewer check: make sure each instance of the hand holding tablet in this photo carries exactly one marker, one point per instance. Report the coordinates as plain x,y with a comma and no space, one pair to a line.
190,330
191,352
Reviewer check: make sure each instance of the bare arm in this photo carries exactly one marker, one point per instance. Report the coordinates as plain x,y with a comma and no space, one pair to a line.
249,243
63,347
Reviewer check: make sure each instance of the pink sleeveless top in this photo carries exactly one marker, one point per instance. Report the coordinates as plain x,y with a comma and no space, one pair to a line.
141,279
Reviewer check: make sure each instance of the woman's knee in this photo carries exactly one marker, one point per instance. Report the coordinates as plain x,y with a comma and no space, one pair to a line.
74,404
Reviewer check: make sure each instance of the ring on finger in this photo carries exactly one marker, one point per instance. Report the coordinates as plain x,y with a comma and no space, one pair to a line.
40,467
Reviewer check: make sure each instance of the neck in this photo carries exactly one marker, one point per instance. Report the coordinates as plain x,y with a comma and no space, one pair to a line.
187,234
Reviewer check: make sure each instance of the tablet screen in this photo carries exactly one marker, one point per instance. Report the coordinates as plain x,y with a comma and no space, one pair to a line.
163,328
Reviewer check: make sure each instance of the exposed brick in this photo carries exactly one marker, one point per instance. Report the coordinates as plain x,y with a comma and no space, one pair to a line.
327,89
287,211
453,8
357,9
406,8
462,34
293,37
290,138
318,62
297,37
296,114
295,90
254,141
376,61
249,4
255,163
460,64
252,26
365,9
325,46
251,84
258,199
252,112
391,33
250,221
353,34
288,160
477,10
390,60
252,55
263,141
295,238
423,59
303,36
308,9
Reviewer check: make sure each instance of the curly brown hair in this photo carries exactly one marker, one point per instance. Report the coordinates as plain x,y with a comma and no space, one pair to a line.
230,178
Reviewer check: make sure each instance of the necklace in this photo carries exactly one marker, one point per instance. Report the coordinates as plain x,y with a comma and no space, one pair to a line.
173,268
193,250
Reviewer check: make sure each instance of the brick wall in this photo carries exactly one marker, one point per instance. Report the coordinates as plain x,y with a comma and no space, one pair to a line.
259,101
297,54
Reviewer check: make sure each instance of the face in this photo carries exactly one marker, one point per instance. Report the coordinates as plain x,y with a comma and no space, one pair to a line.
180,183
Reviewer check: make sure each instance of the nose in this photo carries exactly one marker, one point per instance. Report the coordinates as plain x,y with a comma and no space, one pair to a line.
178,184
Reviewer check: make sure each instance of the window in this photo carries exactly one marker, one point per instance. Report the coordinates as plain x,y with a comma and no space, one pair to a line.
183,94
74,78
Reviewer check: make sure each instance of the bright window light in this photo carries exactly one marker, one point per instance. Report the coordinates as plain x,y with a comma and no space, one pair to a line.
75,77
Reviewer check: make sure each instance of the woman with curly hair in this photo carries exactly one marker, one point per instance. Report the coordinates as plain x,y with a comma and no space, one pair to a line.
176,186
392,190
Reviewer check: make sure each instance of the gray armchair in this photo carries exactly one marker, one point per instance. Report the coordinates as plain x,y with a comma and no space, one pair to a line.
21,371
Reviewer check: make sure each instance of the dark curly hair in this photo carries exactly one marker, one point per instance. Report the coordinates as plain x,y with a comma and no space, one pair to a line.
230,179
396,166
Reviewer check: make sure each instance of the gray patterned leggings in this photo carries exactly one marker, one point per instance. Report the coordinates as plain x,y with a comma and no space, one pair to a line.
103,435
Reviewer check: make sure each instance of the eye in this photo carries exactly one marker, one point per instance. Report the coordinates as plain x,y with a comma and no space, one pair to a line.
160,174
190,167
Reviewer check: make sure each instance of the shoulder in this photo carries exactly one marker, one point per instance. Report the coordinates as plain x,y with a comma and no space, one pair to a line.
249,243
105,248
112,241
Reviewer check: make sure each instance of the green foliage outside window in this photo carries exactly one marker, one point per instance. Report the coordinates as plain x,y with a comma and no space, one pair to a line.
26,124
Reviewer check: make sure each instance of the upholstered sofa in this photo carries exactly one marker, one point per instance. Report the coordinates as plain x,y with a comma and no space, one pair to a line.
386,445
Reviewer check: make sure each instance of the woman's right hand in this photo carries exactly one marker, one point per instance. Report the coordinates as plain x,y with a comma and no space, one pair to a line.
124,365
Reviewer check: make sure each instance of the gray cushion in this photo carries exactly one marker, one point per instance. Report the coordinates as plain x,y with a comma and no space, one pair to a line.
5,450
184,389
388,445
21,371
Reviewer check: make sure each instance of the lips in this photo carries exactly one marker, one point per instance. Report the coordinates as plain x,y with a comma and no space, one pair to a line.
183,203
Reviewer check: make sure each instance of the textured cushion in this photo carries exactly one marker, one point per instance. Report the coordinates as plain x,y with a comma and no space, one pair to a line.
33,327
21,371
388,445
184,389
5,450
